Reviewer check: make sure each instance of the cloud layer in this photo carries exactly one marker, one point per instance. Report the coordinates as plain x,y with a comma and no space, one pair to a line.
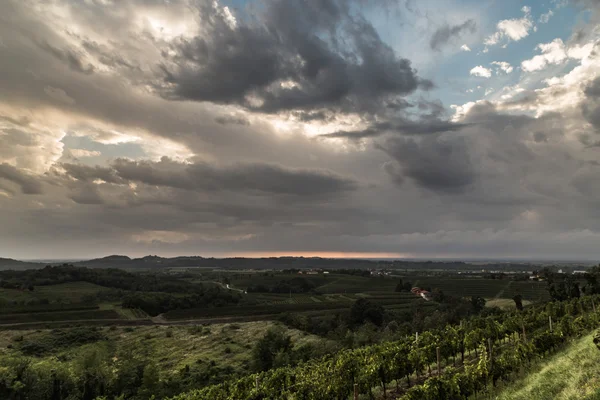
188,127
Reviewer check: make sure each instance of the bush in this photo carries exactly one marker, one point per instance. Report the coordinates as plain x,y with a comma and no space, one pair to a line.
169,333
227,350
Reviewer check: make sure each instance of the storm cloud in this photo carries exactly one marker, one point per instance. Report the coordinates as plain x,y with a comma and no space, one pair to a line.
296,56
195,127
29,184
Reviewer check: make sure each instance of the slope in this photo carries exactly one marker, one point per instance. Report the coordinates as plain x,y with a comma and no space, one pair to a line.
572,373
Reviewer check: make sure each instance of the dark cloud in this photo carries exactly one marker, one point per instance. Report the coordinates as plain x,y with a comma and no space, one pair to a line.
86,173
244,177
297,56
436,163
232,119
447,34
423,127
86,194
29,184
540,137
591,105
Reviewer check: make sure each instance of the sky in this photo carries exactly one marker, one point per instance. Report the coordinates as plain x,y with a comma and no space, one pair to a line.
335,128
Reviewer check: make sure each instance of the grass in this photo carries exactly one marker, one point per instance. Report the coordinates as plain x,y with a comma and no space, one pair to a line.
505,304
570,374
183,345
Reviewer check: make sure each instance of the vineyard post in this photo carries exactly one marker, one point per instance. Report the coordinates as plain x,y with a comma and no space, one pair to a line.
524,334
256,383
490,347
356,391
593,306
417,337
437,350
550,320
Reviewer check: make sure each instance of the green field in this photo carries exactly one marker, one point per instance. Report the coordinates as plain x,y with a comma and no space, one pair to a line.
71,292
486,288
223,345
570,374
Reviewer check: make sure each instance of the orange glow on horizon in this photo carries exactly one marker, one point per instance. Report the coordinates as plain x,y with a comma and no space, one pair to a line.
322,254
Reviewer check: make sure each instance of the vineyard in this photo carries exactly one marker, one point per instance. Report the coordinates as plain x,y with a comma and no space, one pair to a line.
500,344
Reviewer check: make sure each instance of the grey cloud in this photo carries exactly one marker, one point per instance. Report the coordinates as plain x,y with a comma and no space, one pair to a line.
86,194
540,137
446,34
297,42
107,56
591,105
71,58
29,184
435,163
245,177
423,127
88,173
232,119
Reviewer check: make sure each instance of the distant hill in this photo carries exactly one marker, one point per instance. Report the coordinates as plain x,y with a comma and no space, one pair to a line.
157,262
9,263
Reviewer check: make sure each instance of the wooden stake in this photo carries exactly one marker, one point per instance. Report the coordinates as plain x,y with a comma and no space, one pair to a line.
524,334
256,382
490,348
550,320
437,350
355,391
593,306
417,337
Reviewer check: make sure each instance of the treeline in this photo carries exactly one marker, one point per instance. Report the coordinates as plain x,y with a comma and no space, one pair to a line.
367,322
107,277
568,286
158,303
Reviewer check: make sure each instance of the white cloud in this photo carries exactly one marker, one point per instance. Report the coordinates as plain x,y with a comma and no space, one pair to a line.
80,153
555,53
464,47
512,29
461,110
489,91
503,66
544,18
481,71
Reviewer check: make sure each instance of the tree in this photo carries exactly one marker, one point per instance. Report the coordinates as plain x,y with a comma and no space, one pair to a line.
592,278
403,286
363,310
518,299
150,381
399,286
269,348
478,304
